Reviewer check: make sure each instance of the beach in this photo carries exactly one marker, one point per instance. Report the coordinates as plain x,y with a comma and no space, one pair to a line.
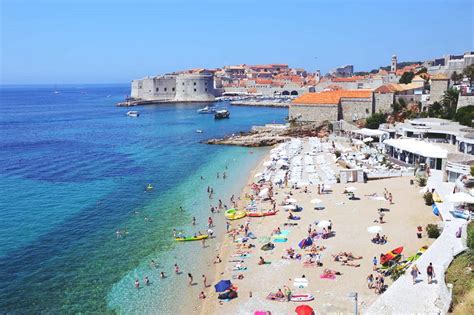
350,219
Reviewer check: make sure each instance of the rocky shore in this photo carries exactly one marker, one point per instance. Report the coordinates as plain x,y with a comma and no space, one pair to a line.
268,136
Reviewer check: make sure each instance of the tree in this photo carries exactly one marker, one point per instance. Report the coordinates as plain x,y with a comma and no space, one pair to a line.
450,102
422,70
406,77
469,73
465,115
435,110
455,77
374,121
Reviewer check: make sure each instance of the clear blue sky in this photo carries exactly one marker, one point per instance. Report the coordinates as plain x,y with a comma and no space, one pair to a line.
105,41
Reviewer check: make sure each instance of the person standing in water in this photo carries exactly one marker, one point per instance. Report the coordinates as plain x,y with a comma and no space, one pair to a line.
194,220
147,281
176,269
190,277
137,284
204,281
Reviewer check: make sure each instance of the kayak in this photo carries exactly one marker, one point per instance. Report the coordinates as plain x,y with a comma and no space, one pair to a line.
191,238
234,214
391,255
301,298
418,254
260,214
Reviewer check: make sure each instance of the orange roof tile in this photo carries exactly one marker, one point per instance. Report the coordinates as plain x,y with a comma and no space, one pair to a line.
331,97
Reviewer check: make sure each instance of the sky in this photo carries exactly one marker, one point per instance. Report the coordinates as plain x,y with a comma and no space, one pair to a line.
115,41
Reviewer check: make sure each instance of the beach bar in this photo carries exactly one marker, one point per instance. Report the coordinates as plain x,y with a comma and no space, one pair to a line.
413,151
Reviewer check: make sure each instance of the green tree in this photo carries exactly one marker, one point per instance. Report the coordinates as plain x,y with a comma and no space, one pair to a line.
450,102
422,70
406,77
469,73
465,115
455,77
374,121
435,110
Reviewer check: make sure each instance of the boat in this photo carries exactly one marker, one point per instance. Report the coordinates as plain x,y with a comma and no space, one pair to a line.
461,214
199,130
260,214
149,187
133,113
234,214
301,297
392,255
221,114
206,110
191,238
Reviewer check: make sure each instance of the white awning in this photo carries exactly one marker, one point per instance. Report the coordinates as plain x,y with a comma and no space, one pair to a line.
369,132
418,147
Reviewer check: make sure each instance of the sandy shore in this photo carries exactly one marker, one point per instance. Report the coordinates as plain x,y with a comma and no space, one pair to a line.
350,221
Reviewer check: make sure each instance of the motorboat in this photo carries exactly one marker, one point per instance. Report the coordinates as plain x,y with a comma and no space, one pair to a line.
206,110
199,130
221,114
133,113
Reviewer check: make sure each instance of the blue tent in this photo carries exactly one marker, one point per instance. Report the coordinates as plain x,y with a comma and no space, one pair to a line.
305,242
435,209
223,285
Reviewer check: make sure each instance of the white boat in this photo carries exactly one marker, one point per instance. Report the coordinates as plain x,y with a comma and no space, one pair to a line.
133,113
206,110
198,130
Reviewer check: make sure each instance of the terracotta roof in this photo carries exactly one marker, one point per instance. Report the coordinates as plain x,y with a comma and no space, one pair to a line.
394,87
263,81
439,76
331,97
349,79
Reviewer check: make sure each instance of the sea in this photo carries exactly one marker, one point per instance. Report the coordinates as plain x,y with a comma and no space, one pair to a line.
73,172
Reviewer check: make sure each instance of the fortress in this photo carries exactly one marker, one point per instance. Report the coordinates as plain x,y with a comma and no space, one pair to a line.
181,87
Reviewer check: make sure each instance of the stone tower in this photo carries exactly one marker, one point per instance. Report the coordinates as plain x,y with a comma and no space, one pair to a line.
393,67
317,76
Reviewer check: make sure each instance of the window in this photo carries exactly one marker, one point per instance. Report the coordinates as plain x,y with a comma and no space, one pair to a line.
157,89
173,89
205,83
194,83
166,89
366,110
194,90
205,89
183,83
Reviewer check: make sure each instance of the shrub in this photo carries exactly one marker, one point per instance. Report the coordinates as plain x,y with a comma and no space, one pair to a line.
472,170
470,235
433,230
421,180
428,196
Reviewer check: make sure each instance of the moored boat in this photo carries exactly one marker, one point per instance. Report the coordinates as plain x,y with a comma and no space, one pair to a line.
133,113
206,110
221,114
191,238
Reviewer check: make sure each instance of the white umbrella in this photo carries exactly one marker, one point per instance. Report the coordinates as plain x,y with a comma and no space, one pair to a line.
460,197
289,207
358,142
263,193
291,200
258,175
316,201
374,229
268,163
351,188
368,139
324,224
378,198
300,184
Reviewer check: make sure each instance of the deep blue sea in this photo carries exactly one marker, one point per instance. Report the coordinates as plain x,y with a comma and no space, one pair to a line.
73,168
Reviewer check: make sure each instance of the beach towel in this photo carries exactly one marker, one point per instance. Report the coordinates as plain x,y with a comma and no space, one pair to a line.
330,277
280,240
273,297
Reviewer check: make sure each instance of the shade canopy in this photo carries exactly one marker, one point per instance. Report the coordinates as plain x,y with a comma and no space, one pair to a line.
289,207
351,188
374,229
460,197
368,139
316,201
291,200
324,224
223,285
418,147
304,310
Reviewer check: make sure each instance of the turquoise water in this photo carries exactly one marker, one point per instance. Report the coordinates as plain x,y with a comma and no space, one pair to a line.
73,171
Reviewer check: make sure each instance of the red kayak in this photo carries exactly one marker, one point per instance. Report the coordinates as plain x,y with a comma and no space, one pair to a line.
391,255
261,214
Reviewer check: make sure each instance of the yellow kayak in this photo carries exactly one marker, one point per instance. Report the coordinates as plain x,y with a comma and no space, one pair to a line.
234,214
437,197
191,238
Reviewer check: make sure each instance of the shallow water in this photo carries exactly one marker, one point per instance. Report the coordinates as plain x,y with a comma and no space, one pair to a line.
73,171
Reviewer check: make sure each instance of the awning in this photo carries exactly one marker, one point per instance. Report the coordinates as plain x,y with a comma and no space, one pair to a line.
418,147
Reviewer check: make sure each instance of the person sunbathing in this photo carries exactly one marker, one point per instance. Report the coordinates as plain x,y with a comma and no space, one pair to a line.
331,273
350,264
261,261
279,294
291,216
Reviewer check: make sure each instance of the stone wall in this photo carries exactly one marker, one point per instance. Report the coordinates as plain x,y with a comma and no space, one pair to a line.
156,88
353,109
465,100
194,87
313,113
438,87
269,91
383,102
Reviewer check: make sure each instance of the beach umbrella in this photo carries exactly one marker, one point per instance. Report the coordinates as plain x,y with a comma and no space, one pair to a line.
263,193
378,198
304,310
258,175
267,163
324,224
368,139
316,200
223,285
358,142
291,200
302,183
289,207
351,188
374,229
460,197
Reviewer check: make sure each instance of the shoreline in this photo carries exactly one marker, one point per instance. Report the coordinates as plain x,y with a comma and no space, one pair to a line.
251,295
